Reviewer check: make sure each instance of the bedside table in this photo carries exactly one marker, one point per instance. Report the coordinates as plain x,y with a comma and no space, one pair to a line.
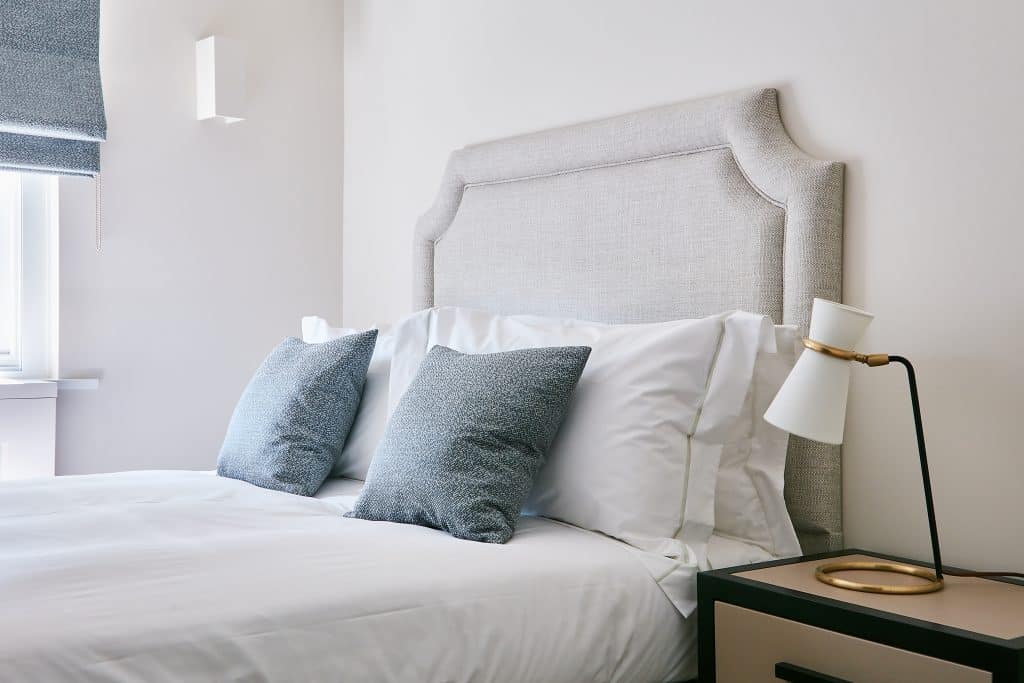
774,621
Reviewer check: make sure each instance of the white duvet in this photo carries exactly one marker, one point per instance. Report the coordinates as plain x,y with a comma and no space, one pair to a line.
185,576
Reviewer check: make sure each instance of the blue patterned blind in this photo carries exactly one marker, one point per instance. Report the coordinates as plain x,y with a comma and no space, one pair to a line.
51,100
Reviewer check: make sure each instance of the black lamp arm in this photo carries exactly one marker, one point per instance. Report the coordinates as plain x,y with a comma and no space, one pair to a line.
927,481
925,477
876,360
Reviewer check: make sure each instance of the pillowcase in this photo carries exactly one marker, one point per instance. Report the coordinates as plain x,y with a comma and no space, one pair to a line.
749,501
293,417
316,330
637,455
467,439
372,416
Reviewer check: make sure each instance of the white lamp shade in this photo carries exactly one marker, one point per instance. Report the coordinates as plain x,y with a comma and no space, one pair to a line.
812,401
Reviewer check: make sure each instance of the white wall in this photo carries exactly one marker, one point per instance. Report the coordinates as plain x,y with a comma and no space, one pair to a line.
921,99
217,238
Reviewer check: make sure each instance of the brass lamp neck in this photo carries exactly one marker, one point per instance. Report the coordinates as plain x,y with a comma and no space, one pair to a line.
870,359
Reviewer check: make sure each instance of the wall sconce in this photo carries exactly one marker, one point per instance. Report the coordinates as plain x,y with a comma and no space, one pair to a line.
220,79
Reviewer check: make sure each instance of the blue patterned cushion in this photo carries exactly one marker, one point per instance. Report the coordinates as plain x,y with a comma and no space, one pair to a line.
292,420
467,439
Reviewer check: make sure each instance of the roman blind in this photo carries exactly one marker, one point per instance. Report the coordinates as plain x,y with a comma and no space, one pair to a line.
51,100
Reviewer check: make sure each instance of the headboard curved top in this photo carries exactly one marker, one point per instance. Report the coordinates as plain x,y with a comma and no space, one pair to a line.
675,212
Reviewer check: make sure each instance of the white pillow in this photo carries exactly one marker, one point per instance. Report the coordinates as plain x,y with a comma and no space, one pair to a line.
372,416
749,502
637,456
316,330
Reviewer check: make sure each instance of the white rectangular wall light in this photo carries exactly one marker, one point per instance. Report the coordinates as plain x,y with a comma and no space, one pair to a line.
220,79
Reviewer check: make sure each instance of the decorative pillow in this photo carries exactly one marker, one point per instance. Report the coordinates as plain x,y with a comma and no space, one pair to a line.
749,502
637,456
372,416
293,417
466,441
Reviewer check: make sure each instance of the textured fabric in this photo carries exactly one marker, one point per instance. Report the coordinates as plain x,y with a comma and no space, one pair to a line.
49,155
372,415
557,222
467,439
51,99
671,213
294,416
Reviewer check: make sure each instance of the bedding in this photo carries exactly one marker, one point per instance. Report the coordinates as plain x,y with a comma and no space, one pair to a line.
749,503
291,422
723,551
186,576
638,454
467,439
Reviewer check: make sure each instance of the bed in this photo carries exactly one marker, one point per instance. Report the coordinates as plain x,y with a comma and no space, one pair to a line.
186,576
676,212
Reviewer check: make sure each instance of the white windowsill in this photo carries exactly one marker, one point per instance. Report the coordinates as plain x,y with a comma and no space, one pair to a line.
78,383
44,388
27,388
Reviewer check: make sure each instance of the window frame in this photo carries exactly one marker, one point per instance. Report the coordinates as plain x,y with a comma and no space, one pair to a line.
32,264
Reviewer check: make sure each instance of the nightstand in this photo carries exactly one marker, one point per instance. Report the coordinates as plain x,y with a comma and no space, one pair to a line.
774,621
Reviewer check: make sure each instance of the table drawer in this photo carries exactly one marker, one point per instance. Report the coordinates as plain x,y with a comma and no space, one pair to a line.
749,645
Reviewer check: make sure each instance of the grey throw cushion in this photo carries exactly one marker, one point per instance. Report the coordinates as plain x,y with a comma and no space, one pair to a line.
467,439
292,420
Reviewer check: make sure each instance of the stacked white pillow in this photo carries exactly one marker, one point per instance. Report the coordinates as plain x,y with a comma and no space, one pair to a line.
664,443
749,504
637,456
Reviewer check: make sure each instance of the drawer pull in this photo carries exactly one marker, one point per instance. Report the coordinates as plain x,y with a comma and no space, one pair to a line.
785,671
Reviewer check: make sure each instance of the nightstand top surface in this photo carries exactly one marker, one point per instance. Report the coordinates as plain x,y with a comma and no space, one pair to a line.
992,608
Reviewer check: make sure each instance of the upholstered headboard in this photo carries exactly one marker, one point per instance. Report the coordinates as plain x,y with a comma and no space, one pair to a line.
675,212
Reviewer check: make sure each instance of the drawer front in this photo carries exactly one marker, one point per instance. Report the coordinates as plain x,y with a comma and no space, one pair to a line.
749,645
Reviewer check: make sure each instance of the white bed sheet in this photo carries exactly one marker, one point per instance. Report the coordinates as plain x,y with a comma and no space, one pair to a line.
723,551
185,576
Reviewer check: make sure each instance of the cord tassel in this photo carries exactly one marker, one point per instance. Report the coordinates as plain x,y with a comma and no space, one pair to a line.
99,213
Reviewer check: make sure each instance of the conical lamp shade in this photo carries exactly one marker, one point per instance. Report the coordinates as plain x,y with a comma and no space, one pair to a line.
812,401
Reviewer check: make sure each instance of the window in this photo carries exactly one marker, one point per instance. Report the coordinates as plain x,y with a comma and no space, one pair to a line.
28,291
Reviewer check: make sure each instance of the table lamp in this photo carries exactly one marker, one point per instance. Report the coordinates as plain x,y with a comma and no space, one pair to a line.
812,404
